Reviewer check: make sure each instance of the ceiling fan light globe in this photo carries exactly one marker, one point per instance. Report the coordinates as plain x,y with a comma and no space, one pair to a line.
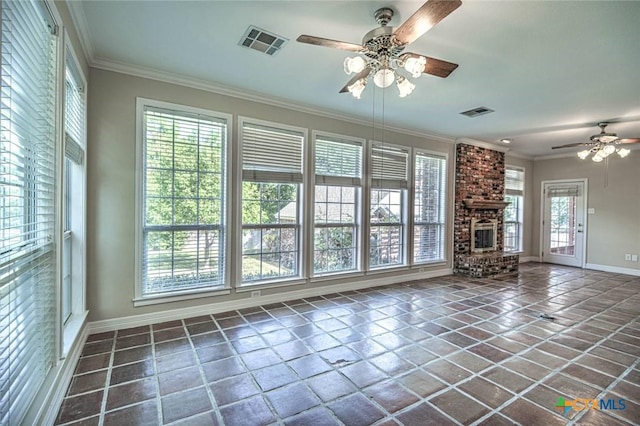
623,152
609,149
415,65
357,88
384,78
405,87
354,65
597,157
584,154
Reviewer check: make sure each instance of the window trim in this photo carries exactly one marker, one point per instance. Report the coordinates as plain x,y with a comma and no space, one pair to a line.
358,224
447,203
177,295
406,199
302,242
520,210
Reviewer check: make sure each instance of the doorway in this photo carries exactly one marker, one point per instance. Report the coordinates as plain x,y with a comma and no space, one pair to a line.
563,222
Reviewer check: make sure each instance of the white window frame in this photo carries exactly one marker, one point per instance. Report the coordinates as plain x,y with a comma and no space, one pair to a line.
405,198
178,295
519,210
359,194
302,239
74,179
445,201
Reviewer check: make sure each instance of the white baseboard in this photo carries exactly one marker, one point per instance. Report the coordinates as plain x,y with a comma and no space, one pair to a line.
614,269
213,308
525,259
44,408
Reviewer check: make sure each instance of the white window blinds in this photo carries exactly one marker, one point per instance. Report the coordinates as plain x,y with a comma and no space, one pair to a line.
389,166
271,154
430,207
338,161
514,181
27,209
74,114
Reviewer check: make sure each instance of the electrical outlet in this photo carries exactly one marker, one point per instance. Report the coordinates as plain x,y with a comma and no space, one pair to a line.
627,257
634,257
256,293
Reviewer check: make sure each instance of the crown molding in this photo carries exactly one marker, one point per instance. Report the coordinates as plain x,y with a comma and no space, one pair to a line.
481,144
554,156
521,156
193,83
76,10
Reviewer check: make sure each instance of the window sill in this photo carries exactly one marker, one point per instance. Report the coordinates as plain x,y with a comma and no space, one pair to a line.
177,297
336,275
71,331
429,264
246,287
385,269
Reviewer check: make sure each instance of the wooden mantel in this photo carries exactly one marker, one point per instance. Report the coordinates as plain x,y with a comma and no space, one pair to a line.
485,204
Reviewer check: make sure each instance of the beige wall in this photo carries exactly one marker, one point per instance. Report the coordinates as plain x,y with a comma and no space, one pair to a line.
614,229
529,203
111,179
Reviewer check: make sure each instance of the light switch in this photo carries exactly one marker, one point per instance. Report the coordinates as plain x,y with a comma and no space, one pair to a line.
591,210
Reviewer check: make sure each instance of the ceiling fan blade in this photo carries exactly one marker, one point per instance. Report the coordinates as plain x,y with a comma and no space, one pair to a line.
570,145
629,140
319,41
432,12
362,74
435,66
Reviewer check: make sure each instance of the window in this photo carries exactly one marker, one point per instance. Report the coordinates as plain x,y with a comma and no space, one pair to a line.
28,311
429,208
338,171
514,194
272,159
73,192
184,199
387,216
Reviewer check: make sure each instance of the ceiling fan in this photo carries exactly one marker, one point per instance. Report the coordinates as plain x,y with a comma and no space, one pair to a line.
382,49
602,144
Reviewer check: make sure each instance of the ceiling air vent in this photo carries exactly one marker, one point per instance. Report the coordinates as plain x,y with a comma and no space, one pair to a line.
263,41
477,111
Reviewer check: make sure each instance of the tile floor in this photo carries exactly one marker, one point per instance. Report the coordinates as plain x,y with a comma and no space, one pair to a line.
442,351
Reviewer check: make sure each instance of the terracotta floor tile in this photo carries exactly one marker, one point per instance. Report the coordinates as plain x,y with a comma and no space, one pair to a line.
87,382
316,417
489,393
496,420
526,368
255,409
222,369
176,361
310,365
78,407
233,389
588,375
131,341
391,363
145,414
215,353
507,379
92,363
179,380
421,383
168,334
185,404
356,410
363,373
447,371
570,387
274,377
331,385
424,414
489,352
260,358
292,350
460,407
131,393
627,390
129,372
526,413
469,361
391,396
126,356
292,400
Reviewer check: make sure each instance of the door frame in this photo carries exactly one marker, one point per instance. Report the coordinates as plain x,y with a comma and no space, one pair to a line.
585,183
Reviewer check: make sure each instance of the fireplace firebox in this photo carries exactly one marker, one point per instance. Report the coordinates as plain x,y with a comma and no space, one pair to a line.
484,233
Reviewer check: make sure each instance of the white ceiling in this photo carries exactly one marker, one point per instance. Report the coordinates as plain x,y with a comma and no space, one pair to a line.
550,69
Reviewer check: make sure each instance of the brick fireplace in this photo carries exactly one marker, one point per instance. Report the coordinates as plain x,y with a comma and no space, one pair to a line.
479,199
